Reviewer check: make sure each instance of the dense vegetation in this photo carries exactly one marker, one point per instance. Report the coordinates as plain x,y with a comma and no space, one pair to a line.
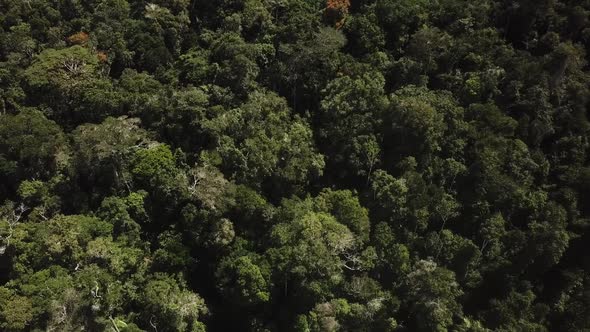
294,165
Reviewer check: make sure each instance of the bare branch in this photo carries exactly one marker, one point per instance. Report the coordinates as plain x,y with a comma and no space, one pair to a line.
153,324
114,324
12,220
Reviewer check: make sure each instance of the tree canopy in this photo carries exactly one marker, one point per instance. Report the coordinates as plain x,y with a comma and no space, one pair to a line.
294,165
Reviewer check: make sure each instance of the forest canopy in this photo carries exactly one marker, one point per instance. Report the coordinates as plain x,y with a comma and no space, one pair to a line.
294,165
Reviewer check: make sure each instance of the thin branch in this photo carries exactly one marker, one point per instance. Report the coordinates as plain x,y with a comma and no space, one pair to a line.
114,324
153,324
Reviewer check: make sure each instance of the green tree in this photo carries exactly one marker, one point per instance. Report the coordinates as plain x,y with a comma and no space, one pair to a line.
104,151
31,146
306,255
352,112
262,141
17,312
346,208
170,307
432,295
244,280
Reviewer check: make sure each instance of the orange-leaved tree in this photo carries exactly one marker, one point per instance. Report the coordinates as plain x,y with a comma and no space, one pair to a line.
336,12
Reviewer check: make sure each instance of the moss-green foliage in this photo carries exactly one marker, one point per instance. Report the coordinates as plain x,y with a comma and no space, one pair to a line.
60,68
153,162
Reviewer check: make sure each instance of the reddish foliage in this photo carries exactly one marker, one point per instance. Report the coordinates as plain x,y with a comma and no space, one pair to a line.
102,56
338,4
336,11
79,38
